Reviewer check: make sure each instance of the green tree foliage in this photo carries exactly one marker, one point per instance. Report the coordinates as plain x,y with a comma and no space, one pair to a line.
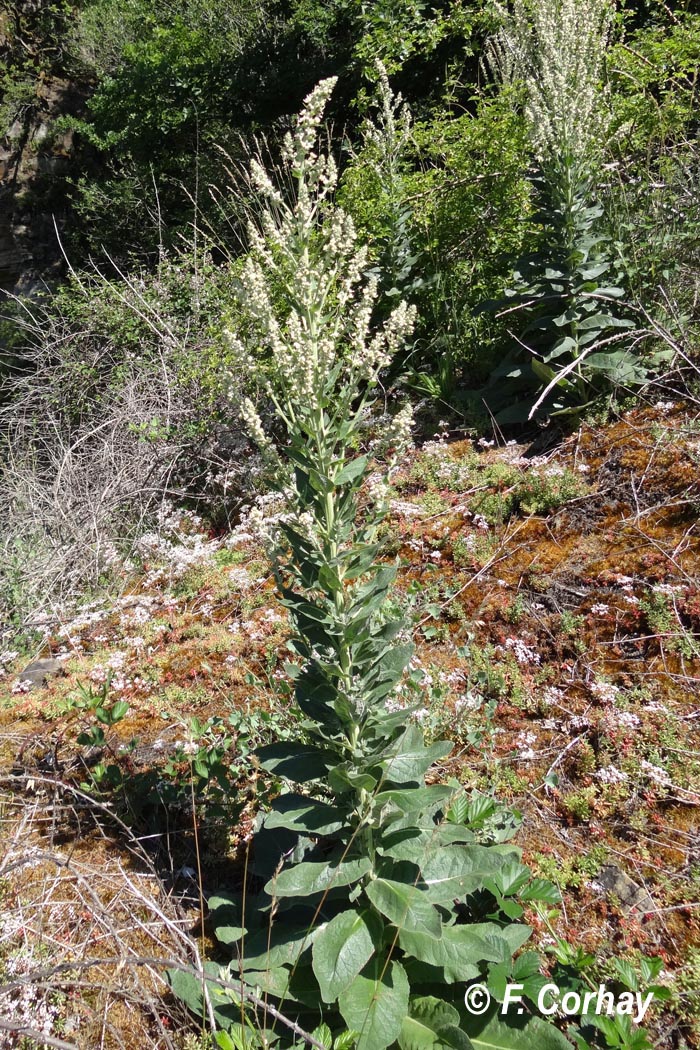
653,71
32,46
652,198
177,81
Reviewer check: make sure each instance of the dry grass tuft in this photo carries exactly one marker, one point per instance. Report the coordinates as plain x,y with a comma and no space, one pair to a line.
86,928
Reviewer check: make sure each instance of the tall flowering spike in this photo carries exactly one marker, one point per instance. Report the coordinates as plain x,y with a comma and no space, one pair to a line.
556,50
298,147
390,131
304,284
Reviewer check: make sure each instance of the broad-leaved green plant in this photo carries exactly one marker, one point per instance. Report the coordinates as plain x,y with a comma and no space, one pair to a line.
573,342
370,899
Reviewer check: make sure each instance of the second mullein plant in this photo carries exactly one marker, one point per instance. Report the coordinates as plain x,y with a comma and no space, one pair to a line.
371,899
575,341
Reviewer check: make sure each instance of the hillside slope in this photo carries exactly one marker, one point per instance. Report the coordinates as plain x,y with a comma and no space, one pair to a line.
554,602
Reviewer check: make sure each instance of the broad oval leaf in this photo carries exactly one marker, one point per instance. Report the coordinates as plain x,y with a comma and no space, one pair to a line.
308,877
351,471
342,948
297,762
406,906
281,946
454,871
413,760
492,1032
306,815
432,1024
460,950
412,800
375,1004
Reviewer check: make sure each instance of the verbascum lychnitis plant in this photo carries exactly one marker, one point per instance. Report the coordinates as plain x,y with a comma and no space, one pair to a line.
573,342
371,899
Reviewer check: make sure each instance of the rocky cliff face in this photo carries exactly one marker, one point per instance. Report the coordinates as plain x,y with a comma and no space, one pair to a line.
35,160
34,163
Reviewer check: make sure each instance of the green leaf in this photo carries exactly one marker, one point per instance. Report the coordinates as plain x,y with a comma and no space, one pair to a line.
412,800
408,843
188,988
225,918
540,890
542,371
351,471
388,670
308,877
236,1038
567,345
516,934
493,1032
454,871
526,965
227,935
590,273
297,762
460,951
602,321
342,948
375,1004
344,778
511,877
269,949
432,1024
627,974
413,759
118,711
619,367
306,815
610,292
315,696
272,980
406,906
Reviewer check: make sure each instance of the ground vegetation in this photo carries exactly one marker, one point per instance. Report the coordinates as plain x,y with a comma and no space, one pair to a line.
350,638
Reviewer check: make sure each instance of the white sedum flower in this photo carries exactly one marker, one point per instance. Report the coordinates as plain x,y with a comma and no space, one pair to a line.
611,775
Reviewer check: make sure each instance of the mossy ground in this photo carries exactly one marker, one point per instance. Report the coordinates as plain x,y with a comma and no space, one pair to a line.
554,601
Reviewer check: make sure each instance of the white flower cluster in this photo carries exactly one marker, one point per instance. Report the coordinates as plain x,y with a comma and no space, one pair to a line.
655,773
468,702
85,618
556,50
611,775
378,488
402,508
524,654
30,1007
626,719
305,285
388,135
552,695
398,436
523,745
606,692
177,543
6,659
